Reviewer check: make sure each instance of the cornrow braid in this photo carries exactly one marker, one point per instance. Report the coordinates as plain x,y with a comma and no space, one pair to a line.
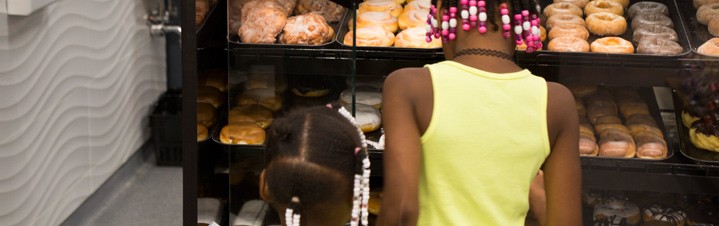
490,14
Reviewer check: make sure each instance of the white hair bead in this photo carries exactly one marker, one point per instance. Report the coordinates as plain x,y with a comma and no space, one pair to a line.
526,25
428,28
445,25
482,16
434,22
473,10
452,22
465,14
518,30
505,19
535,30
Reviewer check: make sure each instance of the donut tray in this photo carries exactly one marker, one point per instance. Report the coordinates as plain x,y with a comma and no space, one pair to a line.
686,147
552,56
233,40
647,95
697,33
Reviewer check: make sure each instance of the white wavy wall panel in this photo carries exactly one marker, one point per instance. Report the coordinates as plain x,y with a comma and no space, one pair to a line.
77,82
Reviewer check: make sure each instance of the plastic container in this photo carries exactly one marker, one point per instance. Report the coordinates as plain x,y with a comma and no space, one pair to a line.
166,127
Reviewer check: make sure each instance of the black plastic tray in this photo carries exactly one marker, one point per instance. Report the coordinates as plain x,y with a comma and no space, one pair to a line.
234,39
591,56
698,33
686,147
648,96
345,29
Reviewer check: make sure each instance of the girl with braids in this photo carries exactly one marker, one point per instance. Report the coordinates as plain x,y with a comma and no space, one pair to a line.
316,169
465,137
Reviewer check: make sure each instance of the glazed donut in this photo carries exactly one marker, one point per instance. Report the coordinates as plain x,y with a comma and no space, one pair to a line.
647,8
206,114
263,96
201,132
568,44
210,95
699,3
364,96
371,36
607,6
389,6
564,19
562,8
659,46
580,3
624,3
253,113
412,18
710,48
612,45
714,27
415,38
242,133
642,20
655,31
606,24
707,12
377,19
566,30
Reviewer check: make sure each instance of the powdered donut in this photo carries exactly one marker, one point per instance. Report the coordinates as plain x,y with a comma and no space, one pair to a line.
368,118
604,23
643,20
568,44
655,31
368,97
562,8
659,46
564,19
647,8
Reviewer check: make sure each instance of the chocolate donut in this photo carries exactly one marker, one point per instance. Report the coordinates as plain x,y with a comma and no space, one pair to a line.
642,20
659,46
655,31
647,7
659,214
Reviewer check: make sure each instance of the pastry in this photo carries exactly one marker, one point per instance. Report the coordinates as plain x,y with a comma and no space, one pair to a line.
688,119
629,109
309,87
699,3
714,27
650,146
641,119
415,38
643,20
710,48
707,12
661,215
253,113
606,6
265,97
562,8
647,7
704,135
616,142
612,45
242,133
659,46
564,19
206,114
608,119
376,19
413,18
263,21
370,36
368,118
603,23
568,44
201,132
202,7
362,96
307,29
288,5
418,5
331,11
587,141
597,107
210,95
617,211
388,6
569,30
655,31
580,3
635,129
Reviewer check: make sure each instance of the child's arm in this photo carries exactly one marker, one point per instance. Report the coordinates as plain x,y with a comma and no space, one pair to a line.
400,204
562,170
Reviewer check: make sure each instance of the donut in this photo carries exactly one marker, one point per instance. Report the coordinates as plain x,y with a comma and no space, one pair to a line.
415,37
624,3
201,132
254,113
656,214
707,12
265,97
307,29
210,95
659,46
699,3
206,114
370,36
647,8
710,48
389,6
580,3
612,45
568,44
655,31
606,6
562,8
643,20
418,5
364,96
564,19
714,27
618,211
309,87
368,117
412,18
606,24
568,30
381,19
242,133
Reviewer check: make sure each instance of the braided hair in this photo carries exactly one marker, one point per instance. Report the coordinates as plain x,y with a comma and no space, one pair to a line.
311,159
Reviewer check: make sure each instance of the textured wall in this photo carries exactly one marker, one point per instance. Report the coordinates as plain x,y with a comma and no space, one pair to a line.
77,82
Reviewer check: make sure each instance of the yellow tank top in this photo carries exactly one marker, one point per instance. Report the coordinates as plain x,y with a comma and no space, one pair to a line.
485,143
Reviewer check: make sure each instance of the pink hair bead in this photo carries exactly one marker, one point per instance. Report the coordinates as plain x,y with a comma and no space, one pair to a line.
445,17
445,32
504,11
473,18
506,27
525,12
481,3
465,27
482,29
517,17
428,39
473,3
452,9
452,36
464,2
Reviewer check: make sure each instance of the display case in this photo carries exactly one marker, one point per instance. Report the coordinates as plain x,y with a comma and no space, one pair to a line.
264,78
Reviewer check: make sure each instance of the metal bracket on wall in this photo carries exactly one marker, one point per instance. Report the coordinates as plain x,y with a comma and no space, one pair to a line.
158,22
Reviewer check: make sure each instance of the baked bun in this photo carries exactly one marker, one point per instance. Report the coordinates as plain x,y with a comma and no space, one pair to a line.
370,36
263,21
265,97
331,11
242,133
710,48
376,19
364,96
415,38
254,113
206,114
307,29
412,18
210,95
388,6
201,132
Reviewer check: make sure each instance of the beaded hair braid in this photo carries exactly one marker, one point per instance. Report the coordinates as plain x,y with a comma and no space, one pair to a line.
478,13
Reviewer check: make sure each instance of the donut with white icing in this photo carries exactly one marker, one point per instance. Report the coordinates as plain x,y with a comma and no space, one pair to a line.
617,210
368,118
659,214
366,96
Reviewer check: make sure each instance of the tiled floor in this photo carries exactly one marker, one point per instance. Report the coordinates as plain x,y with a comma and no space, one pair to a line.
147,195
